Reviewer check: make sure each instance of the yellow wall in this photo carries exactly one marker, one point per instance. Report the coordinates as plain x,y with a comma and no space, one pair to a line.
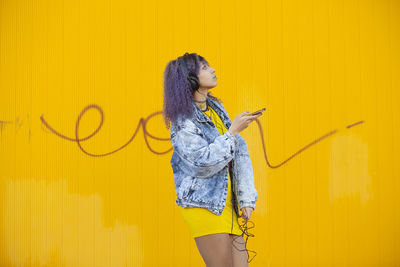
317,66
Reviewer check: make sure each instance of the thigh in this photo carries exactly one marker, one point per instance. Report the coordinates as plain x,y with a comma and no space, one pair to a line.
215,249
239,253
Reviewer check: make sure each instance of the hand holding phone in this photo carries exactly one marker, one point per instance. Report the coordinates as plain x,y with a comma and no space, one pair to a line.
242,121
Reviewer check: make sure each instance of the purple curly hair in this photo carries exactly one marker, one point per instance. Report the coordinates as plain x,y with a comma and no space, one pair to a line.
178,93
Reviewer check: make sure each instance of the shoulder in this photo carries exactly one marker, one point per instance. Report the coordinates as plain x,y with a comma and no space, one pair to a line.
184,124
218,103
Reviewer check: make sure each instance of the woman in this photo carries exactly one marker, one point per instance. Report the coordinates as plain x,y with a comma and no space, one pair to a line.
211,164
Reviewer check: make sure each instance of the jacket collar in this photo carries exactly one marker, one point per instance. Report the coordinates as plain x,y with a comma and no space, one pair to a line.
200,117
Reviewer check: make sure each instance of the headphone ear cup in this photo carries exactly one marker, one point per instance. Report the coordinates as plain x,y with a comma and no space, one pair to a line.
194,81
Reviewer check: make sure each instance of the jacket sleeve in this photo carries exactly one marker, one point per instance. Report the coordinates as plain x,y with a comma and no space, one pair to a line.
198,157
243,169
243,172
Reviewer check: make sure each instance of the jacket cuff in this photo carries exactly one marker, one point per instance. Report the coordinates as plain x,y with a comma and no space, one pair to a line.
243,204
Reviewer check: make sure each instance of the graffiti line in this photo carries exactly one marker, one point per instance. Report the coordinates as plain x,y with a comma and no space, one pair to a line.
143,123
354,124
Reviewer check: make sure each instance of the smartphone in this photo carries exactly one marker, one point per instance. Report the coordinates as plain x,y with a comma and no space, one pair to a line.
257,112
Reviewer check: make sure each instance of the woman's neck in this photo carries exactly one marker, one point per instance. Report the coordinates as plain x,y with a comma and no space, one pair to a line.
199,98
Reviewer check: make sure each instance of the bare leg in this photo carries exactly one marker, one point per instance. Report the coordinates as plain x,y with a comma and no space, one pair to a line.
239,257
215,249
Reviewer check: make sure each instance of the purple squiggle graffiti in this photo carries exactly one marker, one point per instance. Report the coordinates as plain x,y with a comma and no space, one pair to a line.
143,122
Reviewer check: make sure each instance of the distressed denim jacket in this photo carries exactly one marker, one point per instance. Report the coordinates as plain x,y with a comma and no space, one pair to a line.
200,163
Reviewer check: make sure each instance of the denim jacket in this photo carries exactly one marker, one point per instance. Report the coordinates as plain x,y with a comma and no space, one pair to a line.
200,163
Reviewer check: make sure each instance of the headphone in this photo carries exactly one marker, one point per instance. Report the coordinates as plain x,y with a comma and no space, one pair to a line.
192,78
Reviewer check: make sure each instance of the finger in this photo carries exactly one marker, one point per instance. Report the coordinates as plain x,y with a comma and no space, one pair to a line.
253,117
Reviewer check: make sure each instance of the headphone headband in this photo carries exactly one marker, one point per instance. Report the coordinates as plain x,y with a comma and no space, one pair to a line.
193,80
183,64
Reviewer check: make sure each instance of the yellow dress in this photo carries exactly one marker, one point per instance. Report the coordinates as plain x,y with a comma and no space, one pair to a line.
201,221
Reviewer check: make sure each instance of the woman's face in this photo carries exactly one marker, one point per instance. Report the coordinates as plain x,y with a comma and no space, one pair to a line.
206,76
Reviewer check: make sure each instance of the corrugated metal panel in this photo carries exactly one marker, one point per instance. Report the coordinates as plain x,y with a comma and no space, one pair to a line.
325,162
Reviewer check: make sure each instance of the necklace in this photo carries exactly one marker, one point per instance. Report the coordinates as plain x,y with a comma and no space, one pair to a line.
202,107
202,104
